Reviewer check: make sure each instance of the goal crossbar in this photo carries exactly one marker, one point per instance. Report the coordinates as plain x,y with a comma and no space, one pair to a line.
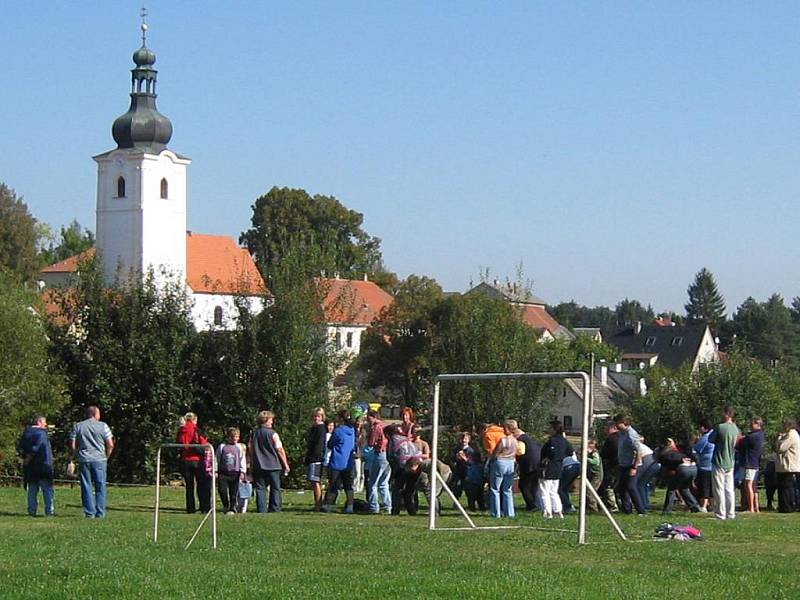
212,512
585,489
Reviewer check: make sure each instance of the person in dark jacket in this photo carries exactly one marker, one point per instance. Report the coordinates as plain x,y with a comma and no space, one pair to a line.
268,459
608,454
552,459
753,447
37,465
528,465
315,452
678,471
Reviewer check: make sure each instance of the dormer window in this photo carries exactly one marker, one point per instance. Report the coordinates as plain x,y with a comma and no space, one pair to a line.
677,341
650,341
164,189
120,187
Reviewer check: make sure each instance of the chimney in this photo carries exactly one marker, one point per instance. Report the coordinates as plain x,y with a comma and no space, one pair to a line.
601,372
336,274
365,277
637,327
616,367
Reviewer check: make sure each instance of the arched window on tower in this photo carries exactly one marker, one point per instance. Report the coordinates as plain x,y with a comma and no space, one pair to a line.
218,316
164,188
120,187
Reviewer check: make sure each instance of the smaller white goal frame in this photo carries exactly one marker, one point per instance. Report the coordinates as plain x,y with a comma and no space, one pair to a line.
212,513
586,423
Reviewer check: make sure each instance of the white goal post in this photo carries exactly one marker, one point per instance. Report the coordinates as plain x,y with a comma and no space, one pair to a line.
586,423
212,513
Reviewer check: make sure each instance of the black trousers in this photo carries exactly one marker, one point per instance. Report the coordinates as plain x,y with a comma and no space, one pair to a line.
528,487
403,487
228,484
785,492
197,481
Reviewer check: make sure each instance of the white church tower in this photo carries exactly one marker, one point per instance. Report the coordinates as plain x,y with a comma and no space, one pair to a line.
142,188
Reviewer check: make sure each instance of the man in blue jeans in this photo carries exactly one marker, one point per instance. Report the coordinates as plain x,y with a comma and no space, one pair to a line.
379,469
93,443
37,466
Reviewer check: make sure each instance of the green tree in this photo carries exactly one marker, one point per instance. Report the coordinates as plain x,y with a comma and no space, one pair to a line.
677,400
19,235
767,329
475,333
292,362
29,380
320,225
129,351
706,304
631,311
395,350
571,314
74,240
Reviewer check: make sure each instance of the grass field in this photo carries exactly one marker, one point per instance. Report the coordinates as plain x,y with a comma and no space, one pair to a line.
301,554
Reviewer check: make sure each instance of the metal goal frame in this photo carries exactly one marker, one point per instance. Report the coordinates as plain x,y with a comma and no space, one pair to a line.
212,513
585,488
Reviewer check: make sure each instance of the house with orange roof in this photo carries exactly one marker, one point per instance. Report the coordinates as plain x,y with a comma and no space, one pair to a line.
350,306
141,216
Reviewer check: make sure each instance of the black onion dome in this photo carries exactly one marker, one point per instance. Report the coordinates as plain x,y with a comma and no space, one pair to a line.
144,57
143,126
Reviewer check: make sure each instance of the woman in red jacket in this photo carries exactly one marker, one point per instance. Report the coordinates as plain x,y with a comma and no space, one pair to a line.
194,471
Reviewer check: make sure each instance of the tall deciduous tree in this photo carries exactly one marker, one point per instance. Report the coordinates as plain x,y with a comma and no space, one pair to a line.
128,350
395,350
19,235
320,225
29,380
706,304
73,240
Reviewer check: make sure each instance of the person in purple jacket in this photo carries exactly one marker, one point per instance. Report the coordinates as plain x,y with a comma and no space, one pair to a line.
753,446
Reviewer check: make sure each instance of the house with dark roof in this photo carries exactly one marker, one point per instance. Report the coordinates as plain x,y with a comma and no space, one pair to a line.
533,310
672,347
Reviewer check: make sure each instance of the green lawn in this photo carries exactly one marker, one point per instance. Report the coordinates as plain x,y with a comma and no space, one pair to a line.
301,554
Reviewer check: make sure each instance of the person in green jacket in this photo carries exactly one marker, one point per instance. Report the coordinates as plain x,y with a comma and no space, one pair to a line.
594,473
724,439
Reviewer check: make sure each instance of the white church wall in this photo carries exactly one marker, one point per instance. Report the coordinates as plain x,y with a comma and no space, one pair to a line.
204,306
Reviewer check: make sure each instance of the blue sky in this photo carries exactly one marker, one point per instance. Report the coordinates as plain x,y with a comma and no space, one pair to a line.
614,149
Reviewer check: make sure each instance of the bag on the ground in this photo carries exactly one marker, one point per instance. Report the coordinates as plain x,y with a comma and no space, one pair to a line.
680,533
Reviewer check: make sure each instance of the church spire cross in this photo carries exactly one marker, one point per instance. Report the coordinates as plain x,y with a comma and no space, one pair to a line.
144,26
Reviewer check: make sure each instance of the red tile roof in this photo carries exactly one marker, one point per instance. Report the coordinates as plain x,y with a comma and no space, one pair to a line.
69,265
352,301
215,264
537,317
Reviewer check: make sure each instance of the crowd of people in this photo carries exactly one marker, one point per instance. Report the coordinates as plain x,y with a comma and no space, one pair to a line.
392,464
